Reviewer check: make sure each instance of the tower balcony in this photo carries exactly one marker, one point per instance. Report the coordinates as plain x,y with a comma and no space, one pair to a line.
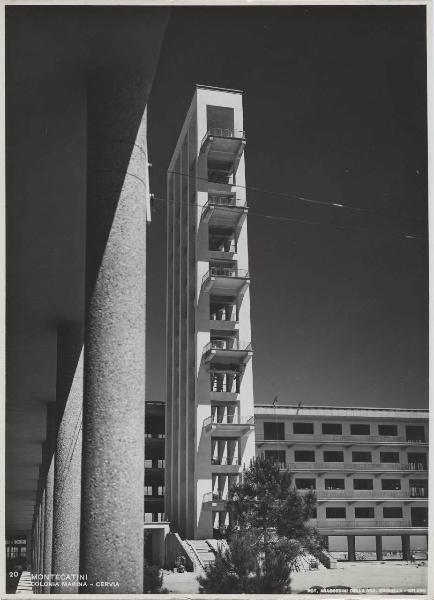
225,281
216,499
227,351
228,425
224,211
224,145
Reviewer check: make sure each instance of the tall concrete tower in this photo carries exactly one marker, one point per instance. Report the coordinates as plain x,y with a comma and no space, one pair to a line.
209,416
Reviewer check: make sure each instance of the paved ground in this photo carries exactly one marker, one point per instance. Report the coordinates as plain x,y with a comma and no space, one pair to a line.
398,576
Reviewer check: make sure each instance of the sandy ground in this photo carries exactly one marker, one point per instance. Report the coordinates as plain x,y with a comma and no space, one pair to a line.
396,577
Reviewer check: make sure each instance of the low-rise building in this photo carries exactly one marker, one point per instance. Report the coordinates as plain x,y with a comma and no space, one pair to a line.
367,466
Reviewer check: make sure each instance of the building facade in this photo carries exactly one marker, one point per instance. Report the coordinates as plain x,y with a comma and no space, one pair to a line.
210,430
367,466
154,462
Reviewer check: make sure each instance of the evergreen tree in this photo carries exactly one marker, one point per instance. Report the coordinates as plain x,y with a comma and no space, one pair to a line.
269,531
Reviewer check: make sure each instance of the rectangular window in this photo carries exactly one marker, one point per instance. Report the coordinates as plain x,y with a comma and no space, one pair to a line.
161,490
415,433
305,484
389,430
333,456
302,427
362,457
276,456
148,490
335,512
274,431
363,484
334,484
392,512
389,457
219,118
360,429
304,456
391,484
418,488
364,512
332,428
417,460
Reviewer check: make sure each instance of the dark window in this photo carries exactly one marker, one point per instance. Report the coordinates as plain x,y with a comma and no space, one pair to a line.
332,428
364,512
360,429
221,117
335,512
363,484
303,427
389,457
418,488
304,456
276,456
362,457
392,512
387,430
419,516
274,431
415,433
334,484
305,484
333,456
390,484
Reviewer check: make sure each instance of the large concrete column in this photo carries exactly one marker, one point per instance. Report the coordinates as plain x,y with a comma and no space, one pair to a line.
114,360
351,539
67,478
379,546
49,488
405,540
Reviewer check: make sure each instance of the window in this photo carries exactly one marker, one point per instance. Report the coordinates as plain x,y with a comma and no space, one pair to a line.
305,484
161,490
332,428
417,460
360,457
276,456
304,456
334,484
389,457
274,431
363,484
392,512
220,117
391,430
303,427
335,512
418,488
148,490
360,429
415,433
390,484
364,512
419,516
333,456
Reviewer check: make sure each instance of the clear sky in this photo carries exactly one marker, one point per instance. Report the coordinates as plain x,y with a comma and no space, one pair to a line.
334,110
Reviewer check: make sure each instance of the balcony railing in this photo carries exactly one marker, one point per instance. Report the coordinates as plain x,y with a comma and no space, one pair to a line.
217,496
156,518
340,466
353,439
224,133
226,272
220,200
227,344
224,460
362,494
228,420
380,523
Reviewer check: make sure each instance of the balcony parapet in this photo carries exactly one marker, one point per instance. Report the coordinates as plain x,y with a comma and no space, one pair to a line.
229,426
364,523
365,495
338,466
218,496
224,211
225,281
227,350
227,462
345,439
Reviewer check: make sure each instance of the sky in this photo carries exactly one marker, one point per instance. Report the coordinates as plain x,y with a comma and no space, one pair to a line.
334,111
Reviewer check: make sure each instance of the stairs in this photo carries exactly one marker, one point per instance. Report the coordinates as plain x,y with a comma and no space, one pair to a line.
202,551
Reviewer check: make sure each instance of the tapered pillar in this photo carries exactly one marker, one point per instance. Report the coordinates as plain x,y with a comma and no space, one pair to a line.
379,547
67,479
405,540
351,547
112,515
49,489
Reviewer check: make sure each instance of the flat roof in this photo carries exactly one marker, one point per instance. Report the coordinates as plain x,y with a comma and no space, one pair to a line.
219,89
293,409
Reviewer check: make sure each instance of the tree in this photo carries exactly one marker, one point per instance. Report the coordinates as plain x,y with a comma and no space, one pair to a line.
269,531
